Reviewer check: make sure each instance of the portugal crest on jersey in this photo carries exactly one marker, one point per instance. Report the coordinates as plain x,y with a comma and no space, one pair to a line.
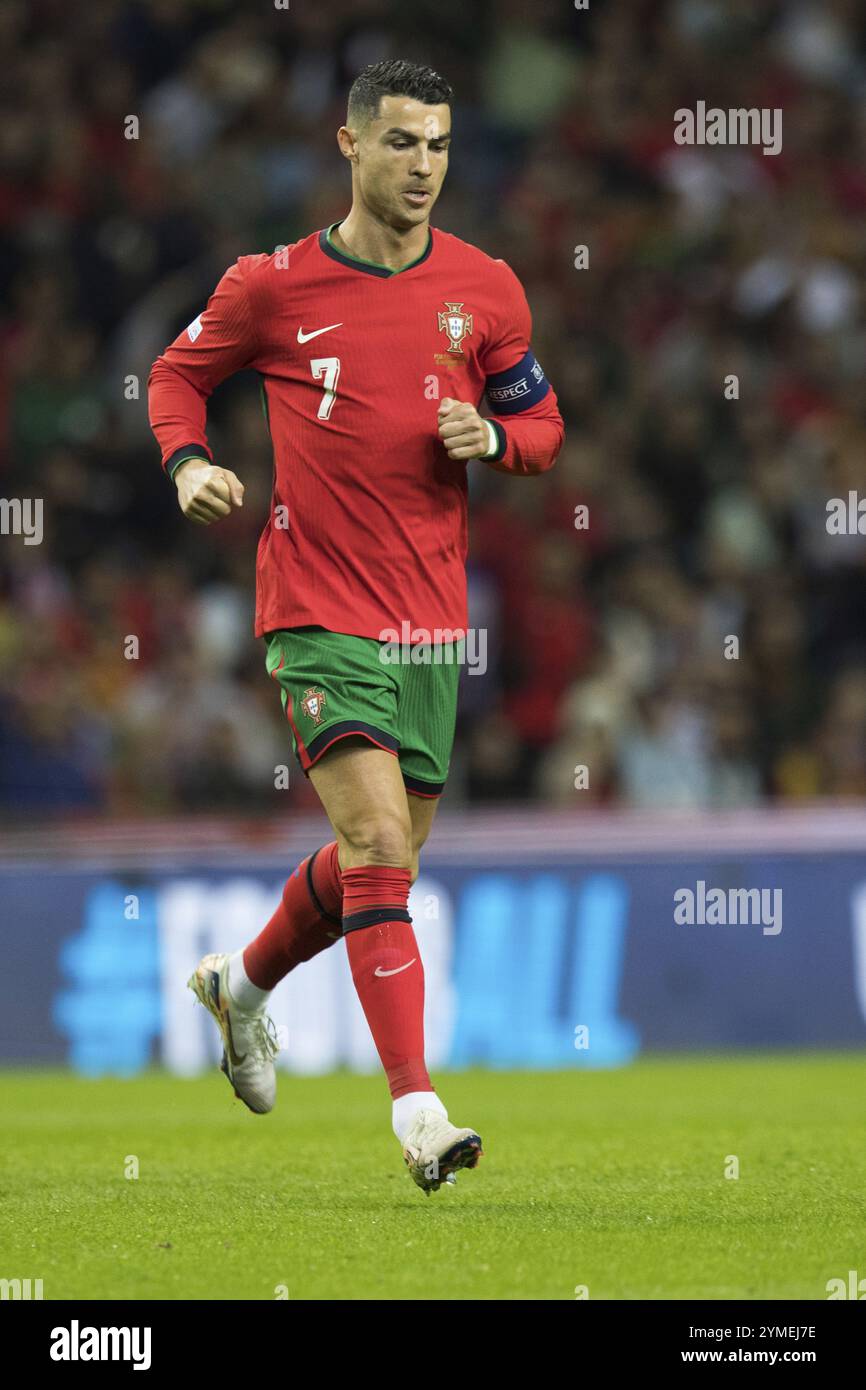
313,703
456,324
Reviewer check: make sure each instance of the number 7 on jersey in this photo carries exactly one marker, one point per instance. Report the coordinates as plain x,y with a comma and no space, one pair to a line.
329,368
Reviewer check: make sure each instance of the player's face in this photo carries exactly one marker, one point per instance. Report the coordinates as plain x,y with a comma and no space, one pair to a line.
402,160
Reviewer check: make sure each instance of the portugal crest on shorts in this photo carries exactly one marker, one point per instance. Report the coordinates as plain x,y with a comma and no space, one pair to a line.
313,703
456,324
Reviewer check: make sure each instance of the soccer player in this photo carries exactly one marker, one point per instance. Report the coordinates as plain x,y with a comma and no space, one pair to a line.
376,340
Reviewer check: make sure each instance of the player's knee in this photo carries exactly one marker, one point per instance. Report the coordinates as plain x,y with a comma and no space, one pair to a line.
382,839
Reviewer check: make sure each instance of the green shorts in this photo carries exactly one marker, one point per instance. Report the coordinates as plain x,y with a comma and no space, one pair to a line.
333,685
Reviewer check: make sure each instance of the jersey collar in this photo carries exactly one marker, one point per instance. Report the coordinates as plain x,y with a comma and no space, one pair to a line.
368,267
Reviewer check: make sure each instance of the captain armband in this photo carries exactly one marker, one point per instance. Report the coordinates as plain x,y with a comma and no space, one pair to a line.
522,386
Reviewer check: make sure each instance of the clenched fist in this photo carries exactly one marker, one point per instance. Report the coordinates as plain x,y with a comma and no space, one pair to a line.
462,430
205,492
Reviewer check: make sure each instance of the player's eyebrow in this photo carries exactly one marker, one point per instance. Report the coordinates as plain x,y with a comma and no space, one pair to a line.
410,135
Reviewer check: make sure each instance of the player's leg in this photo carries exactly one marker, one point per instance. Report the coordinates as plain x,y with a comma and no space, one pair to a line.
427,709
236,988
433,1148
308,918
427,713
362,791
319,675
422,810
312,668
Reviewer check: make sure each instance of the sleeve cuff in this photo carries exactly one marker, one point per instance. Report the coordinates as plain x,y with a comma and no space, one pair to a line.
497,441
186,451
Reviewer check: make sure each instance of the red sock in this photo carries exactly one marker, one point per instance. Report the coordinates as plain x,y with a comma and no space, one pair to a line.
307,921
387,970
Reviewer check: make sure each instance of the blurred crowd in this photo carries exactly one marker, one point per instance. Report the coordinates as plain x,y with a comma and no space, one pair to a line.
695,637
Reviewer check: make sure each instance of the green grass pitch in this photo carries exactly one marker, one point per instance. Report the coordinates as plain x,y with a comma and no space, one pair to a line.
610,1179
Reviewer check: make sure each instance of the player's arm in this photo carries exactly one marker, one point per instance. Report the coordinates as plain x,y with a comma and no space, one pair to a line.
221,341
525,431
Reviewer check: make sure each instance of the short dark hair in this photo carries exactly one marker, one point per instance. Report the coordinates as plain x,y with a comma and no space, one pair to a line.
391,78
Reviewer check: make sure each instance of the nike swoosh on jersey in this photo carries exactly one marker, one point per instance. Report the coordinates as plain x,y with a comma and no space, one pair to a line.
305,337
383,973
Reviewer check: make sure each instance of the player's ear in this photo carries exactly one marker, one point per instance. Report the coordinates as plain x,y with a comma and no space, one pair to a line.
348,142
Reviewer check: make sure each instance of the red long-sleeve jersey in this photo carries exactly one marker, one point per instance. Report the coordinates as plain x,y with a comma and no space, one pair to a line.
368,523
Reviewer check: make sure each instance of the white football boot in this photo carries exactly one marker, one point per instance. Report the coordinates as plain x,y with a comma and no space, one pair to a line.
434,1150
249,1039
